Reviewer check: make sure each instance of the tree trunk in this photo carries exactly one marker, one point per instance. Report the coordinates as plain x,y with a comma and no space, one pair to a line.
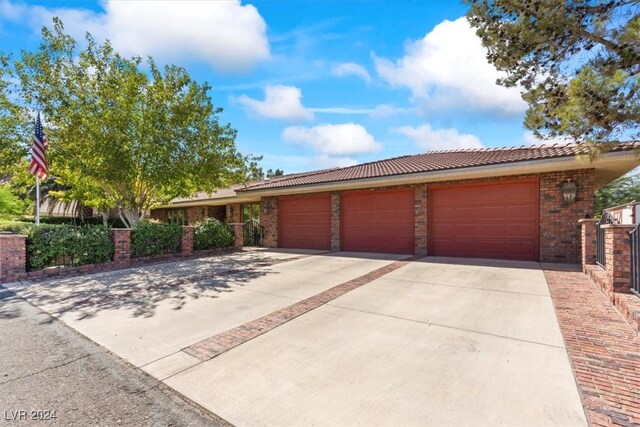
130,217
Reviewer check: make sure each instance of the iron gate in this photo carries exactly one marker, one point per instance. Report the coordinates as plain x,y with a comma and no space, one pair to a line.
253,233
605,219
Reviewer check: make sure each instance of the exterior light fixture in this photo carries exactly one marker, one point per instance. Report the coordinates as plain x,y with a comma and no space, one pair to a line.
267,208
569,191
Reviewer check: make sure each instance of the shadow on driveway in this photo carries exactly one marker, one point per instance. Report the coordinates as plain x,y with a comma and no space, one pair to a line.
142,289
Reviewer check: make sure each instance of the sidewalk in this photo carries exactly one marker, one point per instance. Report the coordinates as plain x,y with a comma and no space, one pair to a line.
47,367
604,349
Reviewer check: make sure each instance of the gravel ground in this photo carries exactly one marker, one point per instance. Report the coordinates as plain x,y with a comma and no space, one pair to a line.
47,370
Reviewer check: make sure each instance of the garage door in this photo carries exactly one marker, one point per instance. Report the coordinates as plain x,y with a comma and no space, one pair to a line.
304,222
378,221
485,221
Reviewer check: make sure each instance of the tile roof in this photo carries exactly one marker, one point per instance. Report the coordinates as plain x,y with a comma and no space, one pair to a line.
224,193
434,161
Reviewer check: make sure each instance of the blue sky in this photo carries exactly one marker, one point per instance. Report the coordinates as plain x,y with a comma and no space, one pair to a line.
311,84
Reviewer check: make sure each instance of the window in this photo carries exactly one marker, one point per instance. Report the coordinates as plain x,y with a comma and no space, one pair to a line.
177,216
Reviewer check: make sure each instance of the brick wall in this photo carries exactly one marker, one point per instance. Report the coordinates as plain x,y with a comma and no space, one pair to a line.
617,256
159,215
196,214
269,219
13,255
122,245
421,228
588,239
186,241
234,213
560,235
335,221
217,212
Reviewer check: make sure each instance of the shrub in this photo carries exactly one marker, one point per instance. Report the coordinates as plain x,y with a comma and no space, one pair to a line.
18,227
152,238
49,245
212,233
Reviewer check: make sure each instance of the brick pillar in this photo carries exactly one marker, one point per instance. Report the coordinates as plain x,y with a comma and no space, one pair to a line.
617,255
122,241
186,241
238,231
234,213
13,255
335,222
588,242
420,212
269,220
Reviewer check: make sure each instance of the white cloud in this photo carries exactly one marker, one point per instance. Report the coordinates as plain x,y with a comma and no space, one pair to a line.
379,111
430,139
280,102
226,35
448,69
352,69
333,140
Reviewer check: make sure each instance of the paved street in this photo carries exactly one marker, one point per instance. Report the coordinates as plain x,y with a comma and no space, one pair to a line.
45,366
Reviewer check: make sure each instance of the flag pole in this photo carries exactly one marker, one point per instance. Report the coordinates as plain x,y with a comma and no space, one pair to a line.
37,201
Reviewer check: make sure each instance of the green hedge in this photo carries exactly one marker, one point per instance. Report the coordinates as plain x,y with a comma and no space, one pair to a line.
152,238
49,245
17,227
212,233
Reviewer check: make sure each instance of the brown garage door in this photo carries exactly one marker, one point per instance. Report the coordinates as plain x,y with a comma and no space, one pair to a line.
485,221
378,221
304,222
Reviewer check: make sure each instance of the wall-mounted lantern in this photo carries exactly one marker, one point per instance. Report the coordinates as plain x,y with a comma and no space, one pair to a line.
569,191
267,208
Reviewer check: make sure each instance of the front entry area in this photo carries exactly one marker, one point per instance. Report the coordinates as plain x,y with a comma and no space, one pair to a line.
498,220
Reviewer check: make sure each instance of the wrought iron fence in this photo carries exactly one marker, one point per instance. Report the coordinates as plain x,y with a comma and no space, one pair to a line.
253,233
635,260
605,219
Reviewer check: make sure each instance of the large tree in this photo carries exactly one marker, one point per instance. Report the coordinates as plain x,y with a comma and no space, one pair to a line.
577,63
123,132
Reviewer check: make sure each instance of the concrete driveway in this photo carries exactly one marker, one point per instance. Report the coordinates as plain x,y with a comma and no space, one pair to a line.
435,342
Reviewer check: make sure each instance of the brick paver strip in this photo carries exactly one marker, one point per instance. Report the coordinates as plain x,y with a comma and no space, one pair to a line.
225,341
604,349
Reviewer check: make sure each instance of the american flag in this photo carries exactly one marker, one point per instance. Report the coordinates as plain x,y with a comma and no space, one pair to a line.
38,166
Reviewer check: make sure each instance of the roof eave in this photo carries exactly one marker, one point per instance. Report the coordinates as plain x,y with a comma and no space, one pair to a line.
610,165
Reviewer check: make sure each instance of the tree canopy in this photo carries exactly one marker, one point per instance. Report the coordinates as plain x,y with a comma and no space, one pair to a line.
124,132
577,63
623,190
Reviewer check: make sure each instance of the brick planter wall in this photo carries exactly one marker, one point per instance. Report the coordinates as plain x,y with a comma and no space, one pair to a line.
588,240
13,254
186,241
122,242
617,254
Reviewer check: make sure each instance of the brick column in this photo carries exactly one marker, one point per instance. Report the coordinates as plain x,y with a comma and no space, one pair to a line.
588,242
617,255
420,212
13,255
186,241
335,222
234,213
269,220
238,231
122,241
